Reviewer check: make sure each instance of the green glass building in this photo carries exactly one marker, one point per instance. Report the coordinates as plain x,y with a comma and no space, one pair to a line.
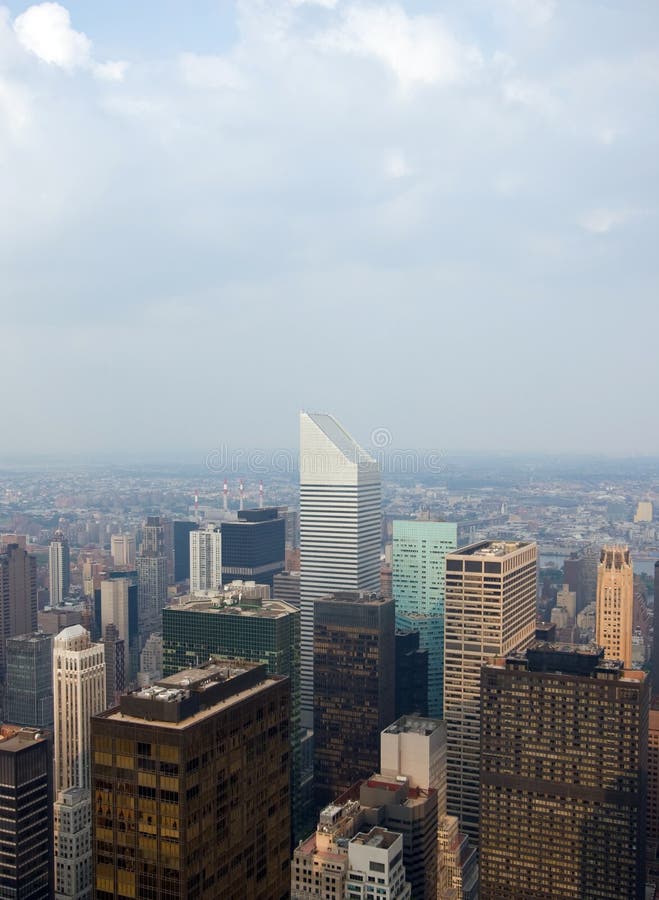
418,579
240,625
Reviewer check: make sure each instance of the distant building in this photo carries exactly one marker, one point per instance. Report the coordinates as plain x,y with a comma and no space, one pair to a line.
27,831
18,591
215,741
59,568
615,604
644,511
29,680
53,620
491,590
152,576
119,607
205,559
115,665
254,546
122,550
286,586
655,634
340,522
381,851
182,549
411,675
151,660
568,600
354,673
72,814
563,761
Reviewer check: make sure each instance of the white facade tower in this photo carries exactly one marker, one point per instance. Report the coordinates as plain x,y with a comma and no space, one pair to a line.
206,559
340,522
59,567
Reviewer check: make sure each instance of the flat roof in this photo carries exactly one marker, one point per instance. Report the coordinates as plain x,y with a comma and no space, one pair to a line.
414,725
488,549
268,609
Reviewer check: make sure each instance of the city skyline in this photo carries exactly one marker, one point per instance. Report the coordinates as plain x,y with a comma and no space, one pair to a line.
470,189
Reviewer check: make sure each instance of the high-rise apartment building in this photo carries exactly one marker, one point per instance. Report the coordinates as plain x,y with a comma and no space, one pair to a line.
491,589
152,577
340,521
254,546
18,595
206,559
26,838
72,815
151,660
115,665
79,693
59,568
563,768
198,769
653,787
122,550
615,604
354,675
182,531
29,680
119,607
238,624
418,578
376,857
655,634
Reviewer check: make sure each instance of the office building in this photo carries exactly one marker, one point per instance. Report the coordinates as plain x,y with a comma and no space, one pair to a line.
26,839
653,787
53,620
340,518
122,550
411,675
418,577
72,815
567,599
254,546
237,623
376,851
655,634
18,596
198,769
644,512
563,768
286,586
490,611
79,693
615,604
59,568
115,665
152,577
205,559
29,680
151,660
117,604
354,687
182,531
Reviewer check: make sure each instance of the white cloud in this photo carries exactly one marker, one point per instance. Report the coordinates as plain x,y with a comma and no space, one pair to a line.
602,221
417,49
45,30
531,94
14,106
212,72
536,13
325,4
395,165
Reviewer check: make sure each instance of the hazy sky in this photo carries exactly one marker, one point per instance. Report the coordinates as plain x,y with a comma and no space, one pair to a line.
438,218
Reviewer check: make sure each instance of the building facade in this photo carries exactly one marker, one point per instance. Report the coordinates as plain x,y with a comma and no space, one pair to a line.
72,815
254,546
491,590
191,784
206,558
122,550
29,680
18,595
59,568
182,531
563,768
340,523
615,604
418,582
354,689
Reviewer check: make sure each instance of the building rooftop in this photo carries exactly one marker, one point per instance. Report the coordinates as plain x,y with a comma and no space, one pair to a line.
414,725
267,609
376,837
491,548
363,597
13,738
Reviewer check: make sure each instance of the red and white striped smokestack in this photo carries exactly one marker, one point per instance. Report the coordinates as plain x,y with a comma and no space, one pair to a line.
196,504
261,494
226,495
242,494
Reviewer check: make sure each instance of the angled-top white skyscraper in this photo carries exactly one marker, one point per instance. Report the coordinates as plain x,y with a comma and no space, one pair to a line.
340,521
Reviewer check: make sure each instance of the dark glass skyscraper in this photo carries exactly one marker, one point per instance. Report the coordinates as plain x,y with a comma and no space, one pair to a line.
564,737
254,546
18,595
182,549
29,680
354,687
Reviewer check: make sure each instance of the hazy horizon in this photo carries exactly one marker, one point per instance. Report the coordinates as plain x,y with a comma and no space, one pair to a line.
437,220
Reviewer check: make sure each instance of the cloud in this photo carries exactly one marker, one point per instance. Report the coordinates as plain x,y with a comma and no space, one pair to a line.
212,72
536,13
531,94
325,4
602,221
417,49
395,165
14,106
45,30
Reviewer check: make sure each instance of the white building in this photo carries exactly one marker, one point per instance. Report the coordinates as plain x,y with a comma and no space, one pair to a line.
340,521
206,559
73,845
78,694
59,569
122,549
114,606
150,661
375,867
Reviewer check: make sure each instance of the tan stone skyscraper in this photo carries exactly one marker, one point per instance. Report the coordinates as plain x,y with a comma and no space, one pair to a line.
615,603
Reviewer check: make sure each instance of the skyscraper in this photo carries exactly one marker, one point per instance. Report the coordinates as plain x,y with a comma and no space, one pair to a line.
29,680
655,635
59,568
354,674
206,559
115,665
411,675
563,768
182,531
18,595
198,771
418,576
254,546
340,520
26,801
152,577
122,549
490,610
615,604
79,693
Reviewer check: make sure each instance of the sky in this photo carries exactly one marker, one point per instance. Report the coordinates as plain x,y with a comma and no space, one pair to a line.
435,220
